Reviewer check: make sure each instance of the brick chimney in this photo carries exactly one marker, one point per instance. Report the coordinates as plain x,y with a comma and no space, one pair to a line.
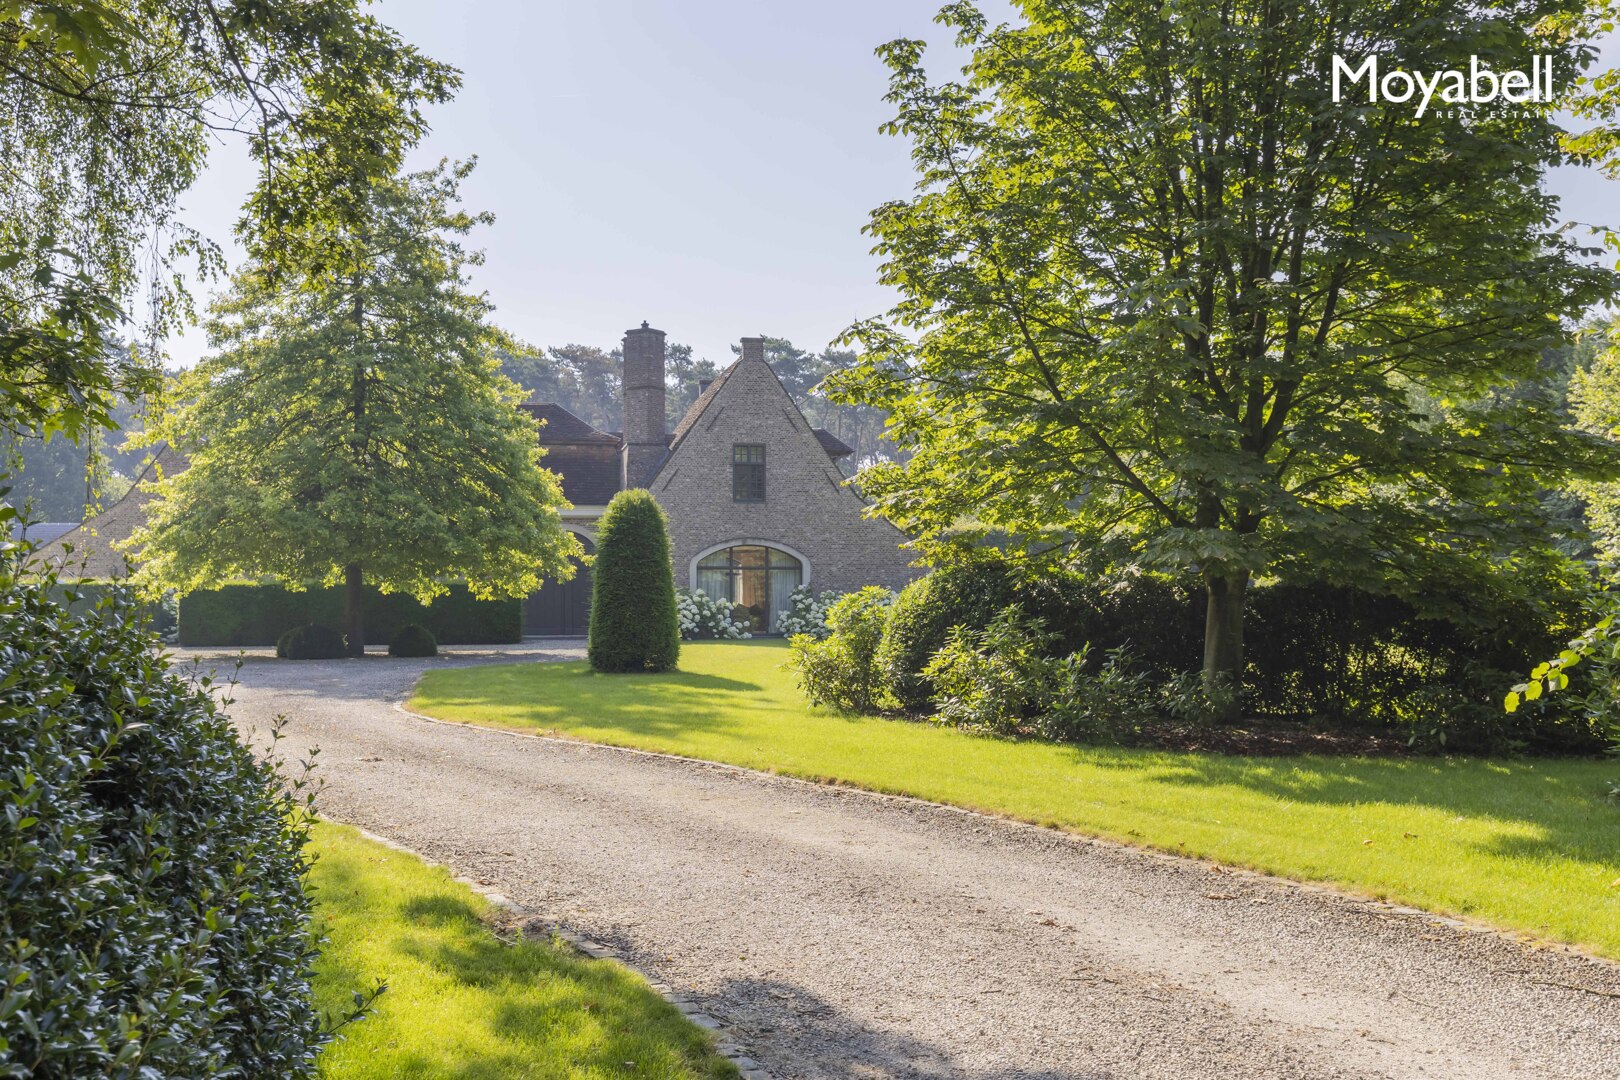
753,348
645,442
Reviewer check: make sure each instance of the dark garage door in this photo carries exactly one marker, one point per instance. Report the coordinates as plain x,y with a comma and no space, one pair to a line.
561,608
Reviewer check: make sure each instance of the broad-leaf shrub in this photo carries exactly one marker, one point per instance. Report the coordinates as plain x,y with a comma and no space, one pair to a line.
841,671
312,641
1156,617
806,613
1316,653
153,920
413,639
1597,696
1004,680
702,616
634,624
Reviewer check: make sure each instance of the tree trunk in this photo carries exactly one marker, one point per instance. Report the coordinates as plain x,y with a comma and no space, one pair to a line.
354,609
1223,642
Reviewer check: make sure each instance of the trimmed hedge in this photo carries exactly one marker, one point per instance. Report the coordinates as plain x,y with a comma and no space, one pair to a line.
246,615
634,622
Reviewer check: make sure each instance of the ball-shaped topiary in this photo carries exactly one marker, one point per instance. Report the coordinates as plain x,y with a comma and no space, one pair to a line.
154,868
413,639
312,642
634,623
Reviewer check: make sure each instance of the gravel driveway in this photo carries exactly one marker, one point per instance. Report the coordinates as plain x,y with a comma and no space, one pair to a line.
841,934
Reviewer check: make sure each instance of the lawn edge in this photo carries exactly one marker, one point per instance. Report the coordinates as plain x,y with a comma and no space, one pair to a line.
1077,835
726,1042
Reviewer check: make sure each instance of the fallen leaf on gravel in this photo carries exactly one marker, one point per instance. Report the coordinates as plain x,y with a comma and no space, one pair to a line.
1220,896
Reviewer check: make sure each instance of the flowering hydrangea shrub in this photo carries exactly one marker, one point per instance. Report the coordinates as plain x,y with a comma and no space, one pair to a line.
703,616
806,613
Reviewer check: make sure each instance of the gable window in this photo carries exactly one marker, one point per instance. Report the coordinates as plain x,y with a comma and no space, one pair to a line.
756,580
748,472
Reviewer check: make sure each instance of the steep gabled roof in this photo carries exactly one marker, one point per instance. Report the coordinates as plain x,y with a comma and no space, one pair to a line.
697,408
835,447
562,426
93,554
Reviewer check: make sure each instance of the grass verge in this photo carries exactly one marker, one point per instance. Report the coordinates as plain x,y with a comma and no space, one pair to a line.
462,1004
1529,845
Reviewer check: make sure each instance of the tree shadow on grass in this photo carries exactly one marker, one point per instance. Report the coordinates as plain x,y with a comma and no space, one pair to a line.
1547,807
646,704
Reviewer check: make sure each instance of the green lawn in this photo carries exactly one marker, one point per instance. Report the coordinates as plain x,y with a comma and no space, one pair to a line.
463,1005
1529,845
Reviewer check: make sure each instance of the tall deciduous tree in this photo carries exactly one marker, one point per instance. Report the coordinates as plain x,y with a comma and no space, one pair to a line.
1163,295
107,111
353,425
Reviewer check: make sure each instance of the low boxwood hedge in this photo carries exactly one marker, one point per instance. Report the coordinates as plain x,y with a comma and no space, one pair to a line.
246,615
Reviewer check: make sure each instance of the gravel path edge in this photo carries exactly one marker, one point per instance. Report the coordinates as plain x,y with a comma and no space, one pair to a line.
1075,836
536,924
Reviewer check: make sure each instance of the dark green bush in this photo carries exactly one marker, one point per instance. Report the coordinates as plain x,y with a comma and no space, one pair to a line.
1157,618
413,639
312,641
634,623
154,918
841,670
1009,679
965,594
1340,656
247,615
1325,655
86,594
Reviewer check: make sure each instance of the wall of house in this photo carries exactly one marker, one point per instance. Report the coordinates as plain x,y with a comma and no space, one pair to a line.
806,507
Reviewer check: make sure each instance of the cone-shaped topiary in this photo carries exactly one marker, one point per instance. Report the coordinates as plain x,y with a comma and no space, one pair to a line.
634,625
413,639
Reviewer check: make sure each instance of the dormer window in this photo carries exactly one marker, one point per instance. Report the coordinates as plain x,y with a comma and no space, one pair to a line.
748,472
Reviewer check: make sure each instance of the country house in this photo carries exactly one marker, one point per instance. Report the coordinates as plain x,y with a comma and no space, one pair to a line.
756,502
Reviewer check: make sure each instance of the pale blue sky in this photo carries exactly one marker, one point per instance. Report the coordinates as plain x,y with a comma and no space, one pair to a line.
706,166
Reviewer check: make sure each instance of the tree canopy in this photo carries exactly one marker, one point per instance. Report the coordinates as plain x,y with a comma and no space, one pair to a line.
1165,300
353,425
107,112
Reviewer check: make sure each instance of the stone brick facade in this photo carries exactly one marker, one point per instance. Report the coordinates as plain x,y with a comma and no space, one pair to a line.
807,509
645,434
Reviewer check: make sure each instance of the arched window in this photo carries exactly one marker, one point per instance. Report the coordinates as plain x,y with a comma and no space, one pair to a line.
754,577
